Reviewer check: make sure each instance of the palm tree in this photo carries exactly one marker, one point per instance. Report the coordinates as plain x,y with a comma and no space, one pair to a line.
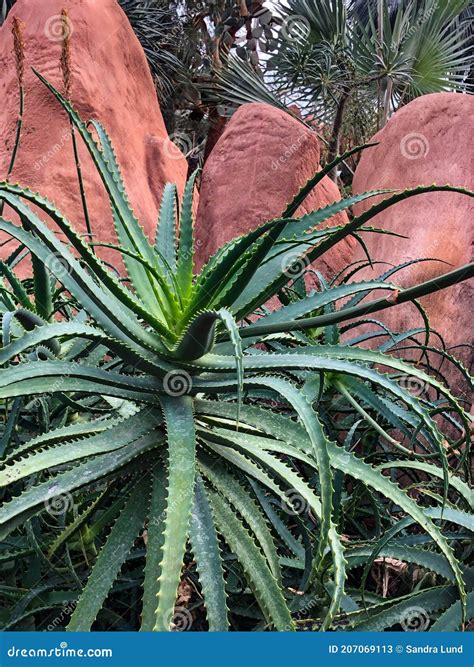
368,58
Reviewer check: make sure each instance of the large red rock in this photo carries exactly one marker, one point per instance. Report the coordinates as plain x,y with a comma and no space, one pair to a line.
426,142
111,82
257,166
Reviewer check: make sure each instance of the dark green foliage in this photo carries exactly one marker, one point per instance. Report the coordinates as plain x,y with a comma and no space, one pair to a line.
166,437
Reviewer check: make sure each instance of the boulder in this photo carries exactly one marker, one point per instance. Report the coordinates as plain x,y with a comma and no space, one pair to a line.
259,163
110,82
425,143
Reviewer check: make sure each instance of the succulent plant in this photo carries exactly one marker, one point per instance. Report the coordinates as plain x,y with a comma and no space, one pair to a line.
205,418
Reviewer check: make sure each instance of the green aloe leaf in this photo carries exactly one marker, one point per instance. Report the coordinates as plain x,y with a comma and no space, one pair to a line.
264,585
205,547
184,275
300,197
181,439
154,547
129,430
166,233
34,498
108,311
422,557
298,485
412,613
451,619
243,502
110,560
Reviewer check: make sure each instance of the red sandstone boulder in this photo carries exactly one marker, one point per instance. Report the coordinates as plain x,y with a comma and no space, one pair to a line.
111,82
257,166
425,142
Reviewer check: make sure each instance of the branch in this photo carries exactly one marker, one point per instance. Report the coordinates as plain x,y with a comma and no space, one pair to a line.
410,294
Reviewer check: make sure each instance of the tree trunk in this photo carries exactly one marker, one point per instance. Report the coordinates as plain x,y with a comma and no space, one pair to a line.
335,141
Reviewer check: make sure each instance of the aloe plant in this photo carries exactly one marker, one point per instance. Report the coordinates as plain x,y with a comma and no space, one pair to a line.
228,412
